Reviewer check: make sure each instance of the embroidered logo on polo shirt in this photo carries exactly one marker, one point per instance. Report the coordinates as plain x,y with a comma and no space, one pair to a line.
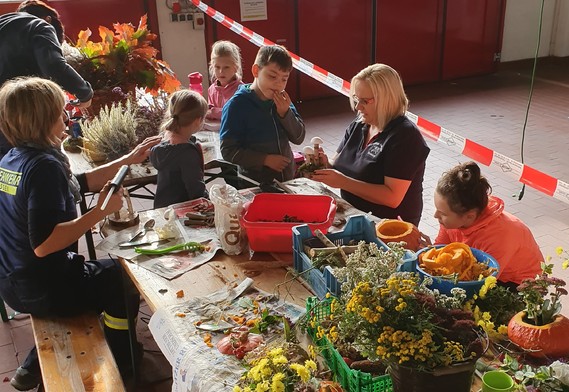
9,181
373,150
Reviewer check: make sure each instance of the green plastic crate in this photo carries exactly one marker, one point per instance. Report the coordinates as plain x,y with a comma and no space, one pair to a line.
350,379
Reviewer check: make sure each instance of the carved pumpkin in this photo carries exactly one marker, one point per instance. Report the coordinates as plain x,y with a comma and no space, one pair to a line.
393,230
550,339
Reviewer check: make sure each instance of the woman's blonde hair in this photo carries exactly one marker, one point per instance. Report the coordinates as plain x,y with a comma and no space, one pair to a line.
184,107
225,49
387,87
29,108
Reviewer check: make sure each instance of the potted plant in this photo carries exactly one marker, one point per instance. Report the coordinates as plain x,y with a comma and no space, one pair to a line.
528,378
540,328
425,338
121,61
111,134
280,367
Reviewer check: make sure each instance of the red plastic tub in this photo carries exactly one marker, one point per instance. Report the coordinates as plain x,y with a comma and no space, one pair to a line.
264,216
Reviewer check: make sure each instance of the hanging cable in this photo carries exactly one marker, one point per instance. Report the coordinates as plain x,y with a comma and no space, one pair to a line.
520,194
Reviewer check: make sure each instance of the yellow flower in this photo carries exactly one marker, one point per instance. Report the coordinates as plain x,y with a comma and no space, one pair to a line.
302,372
277,384
310,365
559,250
262,387
503,330
311,351
237,388
275,352
280,360
565,264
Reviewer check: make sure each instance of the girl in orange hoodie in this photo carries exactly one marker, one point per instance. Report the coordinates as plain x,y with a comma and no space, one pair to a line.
468,214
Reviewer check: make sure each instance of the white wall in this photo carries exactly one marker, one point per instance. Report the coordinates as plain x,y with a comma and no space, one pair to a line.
182,46
521,28
560,41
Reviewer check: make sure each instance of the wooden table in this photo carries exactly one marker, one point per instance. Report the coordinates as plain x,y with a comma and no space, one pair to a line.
143,174
139,176
268,272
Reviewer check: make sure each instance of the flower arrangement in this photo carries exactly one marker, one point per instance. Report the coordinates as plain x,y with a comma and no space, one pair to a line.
401,321
493,307
541,310
281,368
393,318
124,58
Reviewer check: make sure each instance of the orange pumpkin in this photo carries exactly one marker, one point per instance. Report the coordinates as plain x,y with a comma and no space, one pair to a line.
393,230
330,386
550,339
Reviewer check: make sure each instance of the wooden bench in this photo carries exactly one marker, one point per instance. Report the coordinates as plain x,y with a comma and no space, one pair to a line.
74,355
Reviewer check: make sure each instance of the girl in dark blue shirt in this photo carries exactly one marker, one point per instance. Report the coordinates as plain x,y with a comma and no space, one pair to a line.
179,158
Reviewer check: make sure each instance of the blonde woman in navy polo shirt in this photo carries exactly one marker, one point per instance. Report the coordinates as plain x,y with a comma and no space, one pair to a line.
380,163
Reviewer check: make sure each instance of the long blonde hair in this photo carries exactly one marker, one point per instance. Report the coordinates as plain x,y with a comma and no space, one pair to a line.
184,107
387,88
225,49
29,108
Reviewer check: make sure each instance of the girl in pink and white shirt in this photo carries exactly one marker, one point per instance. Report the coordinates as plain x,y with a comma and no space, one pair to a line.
225,70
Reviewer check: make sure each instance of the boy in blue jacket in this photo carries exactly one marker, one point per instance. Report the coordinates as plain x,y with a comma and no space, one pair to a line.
259,121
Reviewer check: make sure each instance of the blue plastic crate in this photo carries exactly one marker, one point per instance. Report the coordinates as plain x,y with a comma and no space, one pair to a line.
358,227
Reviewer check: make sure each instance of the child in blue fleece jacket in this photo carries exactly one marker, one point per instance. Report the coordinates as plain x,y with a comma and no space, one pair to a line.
259,121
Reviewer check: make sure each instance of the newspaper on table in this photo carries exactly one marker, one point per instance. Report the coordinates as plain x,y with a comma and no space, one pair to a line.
169,230
196,367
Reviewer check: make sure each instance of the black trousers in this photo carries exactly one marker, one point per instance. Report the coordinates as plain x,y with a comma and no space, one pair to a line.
101,288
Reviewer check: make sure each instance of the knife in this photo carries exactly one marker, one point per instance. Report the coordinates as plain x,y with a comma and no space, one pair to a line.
128,244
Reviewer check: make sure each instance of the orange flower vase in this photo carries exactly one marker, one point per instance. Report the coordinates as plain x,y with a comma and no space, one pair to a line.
549,340
393,230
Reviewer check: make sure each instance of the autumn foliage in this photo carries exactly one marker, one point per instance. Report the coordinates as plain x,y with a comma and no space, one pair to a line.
124,58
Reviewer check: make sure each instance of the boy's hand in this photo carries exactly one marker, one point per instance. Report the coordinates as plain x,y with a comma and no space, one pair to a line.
282,101
276,162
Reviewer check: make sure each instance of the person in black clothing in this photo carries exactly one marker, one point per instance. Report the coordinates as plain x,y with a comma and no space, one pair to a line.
380,163
40,271
30,45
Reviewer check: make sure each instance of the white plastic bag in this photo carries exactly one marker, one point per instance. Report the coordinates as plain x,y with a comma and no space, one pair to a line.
228,205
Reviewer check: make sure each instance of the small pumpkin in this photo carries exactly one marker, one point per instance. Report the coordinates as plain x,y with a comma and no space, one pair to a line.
550,340
394,230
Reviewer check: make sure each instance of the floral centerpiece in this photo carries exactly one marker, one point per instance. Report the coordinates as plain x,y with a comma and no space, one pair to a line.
121,61
280,368
393,318
540,328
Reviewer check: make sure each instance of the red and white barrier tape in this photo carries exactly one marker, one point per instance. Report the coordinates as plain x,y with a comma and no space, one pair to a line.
523,173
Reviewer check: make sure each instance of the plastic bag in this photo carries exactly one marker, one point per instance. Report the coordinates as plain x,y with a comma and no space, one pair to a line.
228,207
